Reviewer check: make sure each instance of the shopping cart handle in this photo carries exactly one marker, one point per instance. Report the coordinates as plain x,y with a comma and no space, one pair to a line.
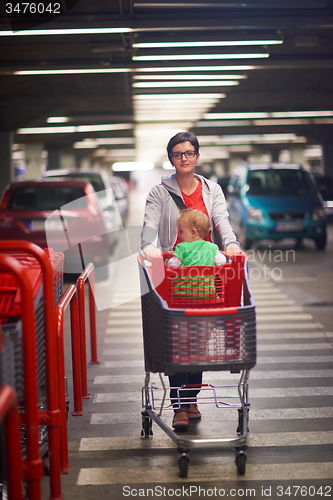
196,385
211,311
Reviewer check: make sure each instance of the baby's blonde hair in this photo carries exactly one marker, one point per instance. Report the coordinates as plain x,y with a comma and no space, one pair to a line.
195,219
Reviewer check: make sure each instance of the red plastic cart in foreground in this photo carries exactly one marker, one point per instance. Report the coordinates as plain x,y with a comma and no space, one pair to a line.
198,318
12,355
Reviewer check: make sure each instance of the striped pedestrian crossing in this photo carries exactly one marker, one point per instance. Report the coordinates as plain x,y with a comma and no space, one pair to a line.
208,473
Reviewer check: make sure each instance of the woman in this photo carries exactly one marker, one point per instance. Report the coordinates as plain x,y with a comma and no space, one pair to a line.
159,234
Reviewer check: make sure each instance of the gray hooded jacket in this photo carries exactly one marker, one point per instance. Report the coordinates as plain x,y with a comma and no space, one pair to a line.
161,214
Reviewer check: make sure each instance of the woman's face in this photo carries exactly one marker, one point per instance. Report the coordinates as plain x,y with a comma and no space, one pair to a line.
184,165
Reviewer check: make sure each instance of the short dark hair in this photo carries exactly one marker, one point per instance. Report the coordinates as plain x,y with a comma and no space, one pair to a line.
182,137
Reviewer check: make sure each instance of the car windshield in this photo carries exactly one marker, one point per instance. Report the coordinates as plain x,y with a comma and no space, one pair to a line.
45,198
279,182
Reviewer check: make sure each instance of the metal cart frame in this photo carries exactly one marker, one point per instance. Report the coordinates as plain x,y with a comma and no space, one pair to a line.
229,325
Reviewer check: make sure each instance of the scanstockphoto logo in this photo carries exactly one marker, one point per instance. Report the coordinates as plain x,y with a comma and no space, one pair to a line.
31,14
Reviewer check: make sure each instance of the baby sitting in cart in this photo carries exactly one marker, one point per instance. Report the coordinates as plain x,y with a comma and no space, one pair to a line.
193,250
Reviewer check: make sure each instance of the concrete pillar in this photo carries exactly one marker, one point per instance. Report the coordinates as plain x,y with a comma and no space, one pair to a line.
34,160
53,159
67,160
220,168
6,169
56,158
297,154
328,158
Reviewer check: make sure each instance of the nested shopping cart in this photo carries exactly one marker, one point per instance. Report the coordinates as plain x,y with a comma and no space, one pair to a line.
197,318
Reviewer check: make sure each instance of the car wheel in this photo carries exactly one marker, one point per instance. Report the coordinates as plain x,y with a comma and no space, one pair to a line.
321,242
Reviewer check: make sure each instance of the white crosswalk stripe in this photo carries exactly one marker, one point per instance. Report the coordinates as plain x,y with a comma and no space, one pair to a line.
255,393
206,473
258,440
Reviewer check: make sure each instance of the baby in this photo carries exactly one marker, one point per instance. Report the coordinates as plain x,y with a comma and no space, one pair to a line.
193,227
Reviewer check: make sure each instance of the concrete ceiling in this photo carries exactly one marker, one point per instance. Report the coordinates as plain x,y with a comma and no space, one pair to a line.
296,76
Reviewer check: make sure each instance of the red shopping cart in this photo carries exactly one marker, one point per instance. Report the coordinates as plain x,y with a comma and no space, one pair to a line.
197,318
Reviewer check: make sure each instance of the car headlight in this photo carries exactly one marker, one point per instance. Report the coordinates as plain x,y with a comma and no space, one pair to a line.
254,214
318,213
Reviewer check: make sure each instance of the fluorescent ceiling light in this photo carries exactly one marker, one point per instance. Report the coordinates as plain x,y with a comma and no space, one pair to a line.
224,123
220,43
322,121
104,128
77,71
69,31
174,105
182,57
189,77
282,121
91,144
157,97
300,114
114,152
258,123
73,129
210,83
238,67
129,166
228,140
110,141
47,130
115,140
255,115
57,119
233,116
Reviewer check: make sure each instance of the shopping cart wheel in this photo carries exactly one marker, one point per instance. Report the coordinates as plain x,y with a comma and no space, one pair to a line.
241,463
183,466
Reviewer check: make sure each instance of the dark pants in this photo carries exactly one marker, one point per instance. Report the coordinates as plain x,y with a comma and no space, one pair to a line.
182,378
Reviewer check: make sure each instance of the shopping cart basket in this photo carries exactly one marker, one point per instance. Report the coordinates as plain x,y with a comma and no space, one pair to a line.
11,357
197,318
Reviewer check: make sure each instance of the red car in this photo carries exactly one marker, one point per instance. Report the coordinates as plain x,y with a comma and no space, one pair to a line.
62,214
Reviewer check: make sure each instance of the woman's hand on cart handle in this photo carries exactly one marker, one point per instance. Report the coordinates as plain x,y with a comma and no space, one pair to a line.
231,251
151,252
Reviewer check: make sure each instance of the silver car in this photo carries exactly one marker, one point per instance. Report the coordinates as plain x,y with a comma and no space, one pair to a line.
101,183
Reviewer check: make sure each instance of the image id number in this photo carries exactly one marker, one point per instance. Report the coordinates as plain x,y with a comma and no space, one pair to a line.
32,8
304,491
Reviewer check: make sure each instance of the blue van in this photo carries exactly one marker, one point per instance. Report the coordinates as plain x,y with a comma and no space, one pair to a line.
274,202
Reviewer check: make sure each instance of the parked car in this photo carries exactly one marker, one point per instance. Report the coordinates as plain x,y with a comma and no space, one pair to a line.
276,201
325,186
101,183
63,214
120,190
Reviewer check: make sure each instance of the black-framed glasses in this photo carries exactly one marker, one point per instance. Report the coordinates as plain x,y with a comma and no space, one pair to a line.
188,154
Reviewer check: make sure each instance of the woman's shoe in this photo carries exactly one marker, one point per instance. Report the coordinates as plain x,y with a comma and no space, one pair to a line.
194,413
180,420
